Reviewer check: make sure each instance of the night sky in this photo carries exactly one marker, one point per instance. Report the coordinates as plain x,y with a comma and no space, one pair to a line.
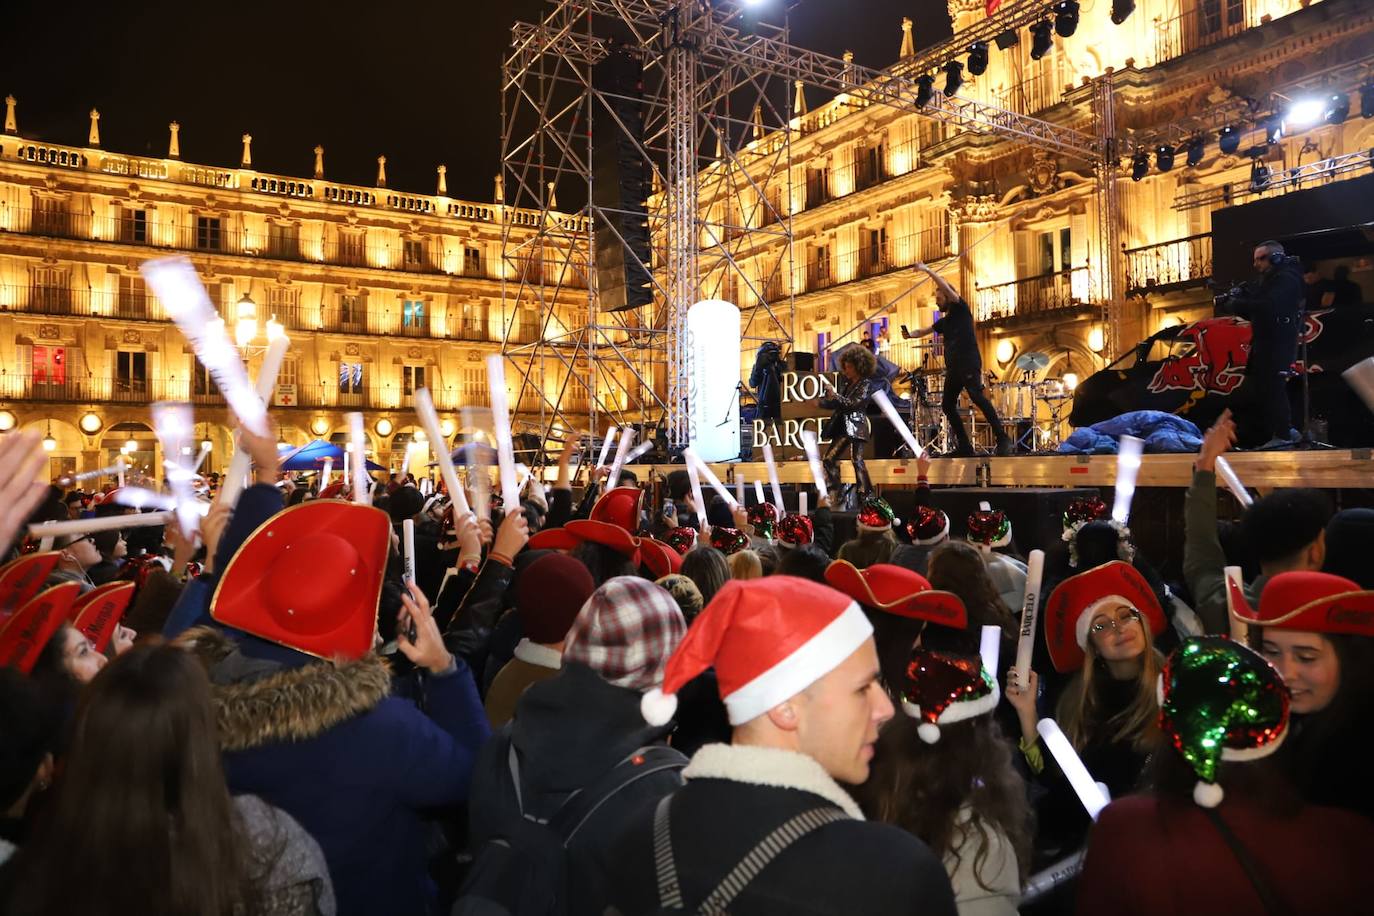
418,82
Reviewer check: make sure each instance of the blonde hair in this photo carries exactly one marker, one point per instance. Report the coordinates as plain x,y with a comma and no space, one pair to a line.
745,565
1138,724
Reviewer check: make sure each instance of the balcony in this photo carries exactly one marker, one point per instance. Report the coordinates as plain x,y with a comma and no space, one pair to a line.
52,299
876,259
116,390
1169,265
1047,293
1209,22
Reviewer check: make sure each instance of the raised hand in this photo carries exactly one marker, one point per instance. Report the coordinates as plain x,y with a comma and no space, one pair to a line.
426,650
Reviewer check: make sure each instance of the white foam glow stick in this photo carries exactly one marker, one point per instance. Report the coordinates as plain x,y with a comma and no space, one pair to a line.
1128,455
119,471
347,471
429,420
758,492
1089,792
606,447
500,422
813,457
627,439
142,498
479,481
803,498
739,488
690,458
640,449
705,470
87,475
1360,377
358,450
880,398
265,384
172,424
1233,483
773,478
408,545
990,649
175,282
200,459
326,472
1030,615
105,523
1235,587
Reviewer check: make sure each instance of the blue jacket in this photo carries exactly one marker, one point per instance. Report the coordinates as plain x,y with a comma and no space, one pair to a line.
328,744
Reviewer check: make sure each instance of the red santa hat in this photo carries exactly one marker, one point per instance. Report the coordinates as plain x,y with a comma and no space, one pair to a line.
21,579
28,630
98,612
1075,601
767,639
1316,602
943,687
929,527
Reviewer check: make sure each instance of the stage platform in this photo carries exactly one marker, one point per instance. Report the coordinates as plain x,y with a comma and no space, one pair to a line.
1262,471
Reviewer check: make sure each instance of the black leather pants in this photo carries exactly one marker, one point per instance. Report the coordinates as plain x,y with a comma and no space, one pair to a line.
835,453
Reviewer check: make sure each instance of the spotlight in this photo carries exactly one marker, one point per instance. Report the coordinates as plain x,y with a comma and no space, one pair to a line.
1040,39
1140,165
1367,101
1302,113
1196,147
1337,108
1259,175
1010,39
1122,10
1228,140
925,86
954,77
1164,157
977,58
1273,128
1066,17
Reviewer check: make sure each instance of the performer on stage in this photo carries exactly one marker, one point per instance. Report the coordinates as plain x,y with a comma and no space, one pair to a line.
849,428
1273,306
963,365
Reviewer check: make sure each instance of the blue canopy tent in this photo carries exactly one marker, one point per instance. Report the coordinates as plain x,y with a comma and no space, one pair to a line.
313,455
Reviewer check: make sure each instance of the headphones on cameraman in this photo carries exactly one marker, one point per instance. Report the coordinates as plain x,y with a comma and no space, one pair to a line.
1276,258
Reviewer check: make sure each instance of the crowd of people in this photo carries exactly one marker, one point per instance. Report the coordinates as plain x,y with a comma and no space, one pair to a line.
598,702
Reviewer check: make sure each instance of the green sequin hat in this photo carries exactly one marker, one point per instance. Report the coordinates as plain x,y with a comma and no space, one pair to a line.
1220,701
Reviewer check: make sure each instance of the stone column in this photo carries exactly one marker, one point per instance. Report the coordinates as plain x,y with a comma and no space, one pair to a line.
381,171
247,160
443,181
499,190
11,123
908,43
93,138
174,141
319,161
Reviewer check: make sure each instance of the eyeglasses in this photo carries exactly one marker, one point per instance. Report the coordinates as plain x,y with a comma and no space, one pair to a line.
1118,623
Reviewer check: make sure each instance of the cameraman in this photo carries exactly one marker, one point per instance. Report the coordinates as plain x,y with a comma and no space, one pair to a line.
1273,306
766,380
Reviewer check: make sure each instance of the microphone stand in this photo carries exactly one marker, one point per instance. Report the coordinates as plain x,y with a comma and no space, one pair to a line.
1307,440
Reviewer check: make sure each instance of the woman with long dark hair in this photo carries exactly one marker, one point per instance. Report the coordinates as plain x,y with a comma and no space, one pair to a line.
142,821
944,773
959,567
848,428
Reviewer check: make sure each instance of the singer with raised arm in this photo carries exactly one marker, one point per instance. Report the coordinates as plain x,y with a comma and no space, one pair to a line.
963,365
849,428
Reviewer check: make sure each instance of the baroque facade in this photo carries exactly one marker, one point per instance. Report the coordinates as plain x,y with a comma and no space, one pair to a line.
381,292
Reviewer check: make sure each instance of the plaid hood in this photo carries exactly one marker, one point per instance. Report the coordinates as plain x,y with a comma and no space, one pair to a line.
625,632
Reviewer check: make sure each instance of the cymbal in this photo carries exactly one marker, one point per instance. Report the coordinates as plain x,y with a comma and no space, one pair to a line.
1033,361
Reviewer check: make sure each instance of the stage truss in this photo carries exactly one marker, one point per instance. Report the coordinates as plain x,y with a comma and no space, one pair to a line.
717,140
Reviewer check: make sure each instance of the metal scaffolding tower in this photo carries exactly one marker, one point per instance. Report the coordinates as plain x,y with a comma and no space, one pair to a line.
716,139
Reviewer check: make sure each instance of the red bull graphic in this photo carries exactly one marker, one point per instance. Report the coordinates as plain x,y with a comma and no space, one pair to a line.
1216,363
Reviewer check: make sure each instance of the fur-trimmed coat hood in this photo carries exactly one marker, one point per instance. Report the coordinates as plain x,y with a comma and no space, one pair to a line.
259,703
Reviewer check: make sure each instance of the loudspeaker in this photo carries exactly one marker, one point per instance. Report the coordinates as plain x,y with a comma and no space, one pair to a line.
801,362
620,189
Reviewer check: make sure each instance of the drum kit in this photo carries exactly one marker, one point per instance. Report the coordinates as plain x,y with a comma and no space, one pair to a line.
1018,405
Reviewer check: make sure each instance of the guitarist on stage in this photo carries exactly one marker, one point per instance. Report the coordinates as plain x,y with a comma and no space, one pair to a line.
963,365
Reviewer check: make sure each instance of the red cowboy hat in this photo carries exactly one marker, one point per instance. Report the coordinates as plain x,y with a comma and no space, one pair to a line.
619,507
333,491
605,533
21,579
1068,612
661,558
28,630
897,590
553,539
97,612
309,579
1317,602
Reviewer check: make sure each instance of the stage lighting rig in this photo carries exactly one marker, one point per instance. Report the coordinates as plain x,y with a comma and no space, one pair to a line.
1259,175
1140,165
1041,42
977,58
1164,157
1122,10
1367,101
1196,147
1228,140
1337,108
1273,128
1066,17
954,77
925,88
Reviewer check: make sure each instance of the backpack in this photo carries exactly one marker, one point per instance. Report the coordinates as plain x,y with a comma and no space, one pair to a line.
524,870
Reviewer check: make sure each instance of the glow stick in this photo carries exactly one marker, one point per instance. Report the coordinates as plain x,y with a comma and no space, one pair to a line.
479,481
990,649
172,424
880,398
142,498
359,460
690,457
1360,377
606,447
1089,793
714,481
1030,614
265,384
739,489
773,478
347,470
637,451
758,492
408,545
813,457
424,409
1127,467
118,466
627,438
200,459
175,282
500,419
802,498
1233,483
119,471
1235,589
326,473
106,523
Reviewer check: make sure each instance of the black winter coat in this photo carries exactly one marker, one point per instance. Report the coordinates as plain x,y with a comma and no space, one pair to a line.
1273,308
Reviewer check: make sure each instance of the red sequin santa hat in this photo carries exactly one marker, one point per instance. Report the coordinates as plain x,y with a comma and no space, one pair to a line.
943,687
767,639
897,590
929,527
681,539
989,528
764,518
1316,602
729,540
21,579
309,579
796,530
875,515
1075,601
27,631
98,612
